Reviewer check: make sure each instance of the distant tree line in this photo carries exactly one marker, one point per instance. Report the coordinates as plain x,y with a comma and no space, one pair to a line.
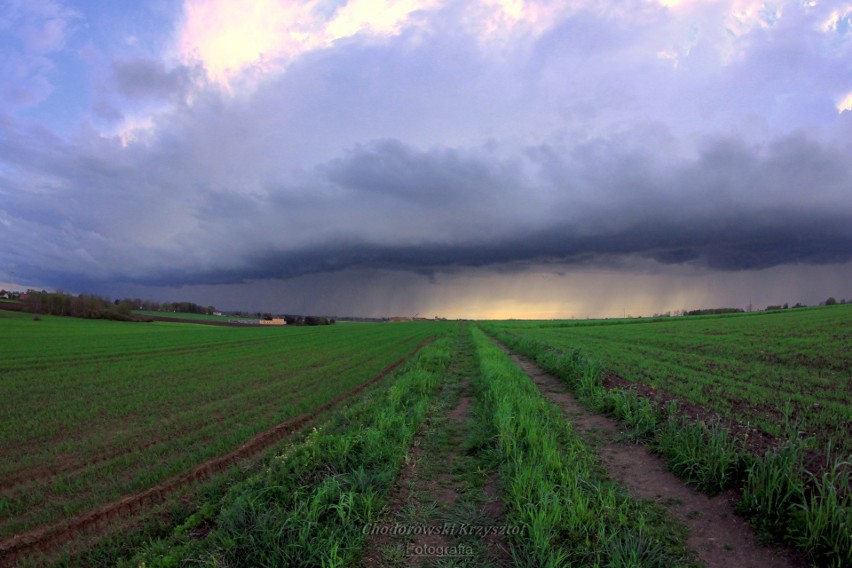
308,320
831,301
713,311
81,306
786,306
774,307
96,307
180,307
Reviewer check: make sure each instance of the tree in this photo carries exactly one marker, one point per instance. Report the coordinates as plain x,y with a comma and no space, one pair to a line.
831,301
125,307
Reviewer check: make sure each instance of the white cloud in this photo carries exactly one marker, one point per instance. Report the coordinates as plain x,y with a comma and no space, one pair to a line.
502,19
845,104
234,37
227,36
378,17
239,42
838,21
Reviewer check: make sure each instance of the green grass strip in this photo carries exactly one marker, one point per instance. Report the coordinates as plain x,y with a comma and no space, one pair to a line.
555,489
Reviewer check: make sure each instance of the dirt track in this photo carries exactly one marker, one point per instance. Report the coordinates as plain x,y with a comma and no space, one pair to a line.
717,534
46,538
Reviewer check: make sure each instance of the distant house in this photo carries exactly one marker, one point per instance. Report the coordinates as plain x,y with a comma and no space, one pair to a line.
217,313
273,321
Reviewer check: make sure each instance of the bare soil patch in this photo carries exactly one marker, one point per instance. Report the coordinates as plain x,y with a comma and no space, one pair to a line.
717,534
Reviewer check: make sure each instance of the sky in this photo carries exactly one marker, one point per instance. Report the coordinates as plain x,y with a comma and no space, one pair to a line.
453,158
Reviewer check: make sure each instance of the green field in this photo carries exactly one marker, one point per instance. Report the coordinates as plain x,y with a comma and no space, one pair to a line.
308,508
757,368
705,383
95,410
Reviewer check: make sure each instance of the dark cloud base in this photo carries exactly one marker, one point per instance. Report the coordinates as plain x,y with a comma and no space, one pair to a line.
734,244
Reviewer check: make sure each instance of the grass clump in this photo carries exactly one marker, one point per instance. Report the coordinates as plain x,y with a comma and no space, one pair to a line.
812,512
704,456
639,414
822,522
773,487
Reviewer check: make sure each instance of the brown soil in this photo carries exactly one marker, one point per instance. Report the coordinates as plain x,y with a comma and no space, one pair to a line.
102,519
717,535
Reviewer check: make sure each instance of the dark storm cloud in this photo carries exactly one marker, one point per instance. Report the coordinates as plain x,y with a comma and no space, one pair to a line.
734,207
740,242
386,205
390,168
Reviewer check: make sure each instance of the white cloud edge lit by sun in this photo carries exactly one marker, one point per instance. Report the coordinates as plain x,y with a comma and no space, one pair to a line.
832,23
238,42
845,104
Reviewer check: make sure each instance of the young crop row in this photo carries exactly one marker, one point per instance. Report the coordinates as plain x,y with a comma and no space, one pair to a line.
82,432
311,505
811,511
759,369
571,514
